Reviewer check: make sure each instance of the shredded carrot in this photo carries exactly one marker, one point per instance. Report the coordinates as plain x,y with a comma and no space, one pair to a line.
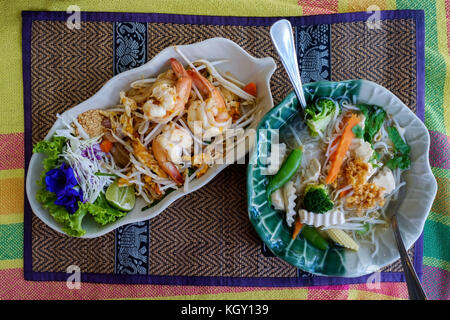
344,143
106,145
250,88
297,227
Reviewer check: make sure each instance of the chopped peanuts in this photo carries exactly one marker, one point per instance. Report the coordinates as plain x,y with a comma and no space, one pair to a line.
355,172
365,195
91,121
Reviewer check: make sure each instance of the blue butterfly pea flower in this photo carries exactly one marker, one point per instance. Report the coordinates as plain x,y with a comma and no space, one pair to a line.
60,179
69,199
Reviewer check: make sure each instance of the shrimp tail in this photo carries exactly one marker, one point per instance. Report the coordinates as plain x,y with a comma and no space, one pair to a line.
168,167
201,82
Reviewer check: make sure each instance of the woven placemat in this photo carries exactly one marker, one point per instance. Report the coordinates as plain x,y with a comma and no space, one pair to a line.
204,238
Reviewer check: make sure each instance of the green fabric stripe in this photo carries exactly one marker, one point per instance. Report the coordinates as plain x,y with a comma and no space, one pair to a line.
440,172
434,65
437,263
436,240
11,241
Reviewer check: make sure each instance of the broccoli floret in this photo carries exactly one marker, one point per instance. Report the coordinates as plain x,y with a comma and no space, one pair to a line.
319,115
316,199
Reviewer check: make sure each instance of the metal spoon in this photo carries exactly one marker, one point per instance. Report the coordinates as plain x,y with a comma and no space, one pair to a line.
283,40
415,289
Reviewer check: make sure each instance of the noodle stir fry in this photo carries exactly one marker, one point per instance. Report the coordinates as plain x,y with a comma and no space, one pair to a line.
165,132
161,121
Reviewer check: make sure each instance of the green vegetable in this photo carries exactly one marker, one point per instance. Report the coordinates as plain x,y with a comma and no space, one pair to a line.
52,149
312,235
287,170
71,222
374,158
401,151
102,174
400,145
121,198
366,228
403,162
102,212
316,199
358,131
319,115
374,120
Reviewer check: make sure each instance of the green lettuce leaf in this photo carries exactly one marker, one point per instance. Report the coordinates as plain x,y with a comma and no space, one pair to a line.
400,145
399,161
101,211
52,149
358,131
73,225
401,157
374,120
71,222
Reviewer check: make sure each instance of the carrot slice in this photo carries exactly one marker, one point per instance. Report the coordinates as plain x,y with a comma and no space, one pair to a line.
344,143
106,145
250,88
297,228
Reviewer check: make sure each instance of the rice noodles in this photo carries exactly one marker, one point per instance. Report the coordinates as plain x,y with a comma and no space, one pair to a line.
367,178
155,146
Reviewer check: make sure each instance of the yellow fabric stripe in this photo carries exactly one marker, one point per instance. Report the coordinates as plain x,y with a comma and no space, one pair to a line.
368,295
13,173
343,5
294,294
391,4
363,5
437,263
11,218
11,92
11,89
439,217
441,25
11,264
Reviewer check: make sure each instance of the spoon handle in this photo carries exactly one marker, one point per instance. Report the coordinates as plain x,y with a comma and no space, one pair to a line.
283,40
415,289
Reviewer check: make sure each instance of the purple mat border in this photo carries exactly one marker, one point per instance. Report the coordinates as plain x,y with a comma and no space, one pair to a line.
29,16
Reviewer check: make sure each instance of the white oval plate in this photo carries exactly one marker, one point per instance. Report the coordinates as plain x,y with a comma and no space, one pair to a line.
241,64
421,188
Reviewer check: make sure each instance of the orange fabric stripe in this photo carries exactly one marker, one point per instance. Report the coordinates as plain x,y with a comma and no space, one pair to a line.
11,195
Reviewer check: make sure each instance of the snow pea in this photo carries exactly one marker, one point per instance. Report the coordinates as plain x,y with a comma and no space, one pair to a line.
312,235
286,172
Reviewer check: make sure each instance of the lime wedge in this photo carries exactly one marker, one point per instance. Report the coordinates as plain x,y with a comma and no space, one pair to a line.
121,198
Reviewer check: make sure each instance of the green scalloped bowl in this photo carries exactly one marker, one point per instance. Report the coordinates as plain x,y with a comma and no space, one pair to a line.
270,224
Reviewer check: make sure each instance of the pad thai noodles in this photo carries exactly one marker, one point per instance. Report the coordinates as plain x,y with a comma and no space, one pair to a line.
164,133
333,177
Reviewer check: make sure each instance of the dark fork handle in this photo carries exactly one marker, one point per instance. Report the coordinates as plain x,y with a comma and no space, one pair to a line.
415,289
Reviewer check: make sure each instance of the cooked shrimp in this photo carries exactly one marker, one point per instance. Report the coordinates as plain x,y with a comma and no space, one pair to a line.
168,149
211,113
145,157
168,99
